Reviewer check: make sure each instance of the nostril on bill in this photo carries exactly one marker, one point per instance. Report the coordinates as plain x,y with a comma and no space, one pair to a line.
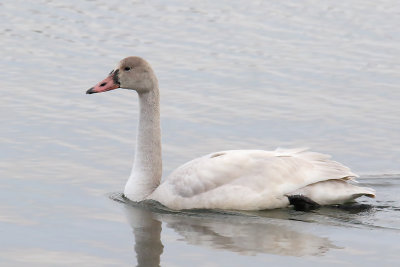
103,84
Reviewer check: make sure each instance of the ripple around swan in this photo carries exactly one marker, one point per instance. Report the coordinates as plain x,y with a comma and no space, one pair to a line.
365,214
284,232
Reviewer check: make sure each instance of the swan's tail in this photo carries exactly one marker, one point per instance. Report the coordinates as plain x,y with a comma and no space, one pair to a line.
336,191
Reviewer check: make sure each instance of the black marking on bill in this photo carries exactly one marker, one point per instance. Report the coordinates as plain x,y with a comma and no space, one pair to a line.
115,77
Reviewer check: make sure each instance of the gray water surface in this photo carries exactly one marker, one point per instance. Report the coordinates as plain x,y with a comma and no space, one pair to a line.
233,75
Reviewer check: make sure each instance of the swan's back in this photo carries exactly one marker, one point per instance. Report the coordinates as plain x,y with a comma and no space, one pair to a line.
256,179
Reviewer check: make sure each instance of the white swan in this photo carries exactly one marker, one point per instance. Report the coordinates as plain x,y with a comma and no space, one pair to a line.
235,179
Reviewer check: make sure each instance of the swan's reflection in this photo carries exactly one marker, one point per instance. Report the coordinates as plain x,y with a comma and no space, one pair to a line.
238,233
147,232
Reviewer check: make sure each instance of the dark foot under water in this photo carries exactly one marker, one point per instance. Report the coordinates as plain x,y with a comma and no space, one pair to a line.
303,203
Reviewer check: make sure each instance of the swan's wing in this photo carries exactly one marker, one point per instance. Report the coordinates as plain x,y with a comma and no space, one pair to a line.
246,179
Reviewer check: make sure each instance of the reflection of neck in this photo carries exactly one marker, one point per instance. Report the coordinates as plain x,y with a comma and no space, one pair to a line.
147,168
147,232
148,244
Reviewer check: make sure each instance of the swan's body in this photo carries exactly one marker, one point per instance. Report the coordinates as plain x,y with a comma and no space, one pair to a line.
256,180
236,179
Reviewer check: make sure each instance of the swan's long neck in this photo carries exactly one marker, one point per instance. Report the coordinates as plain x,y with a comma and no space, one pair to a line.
147,168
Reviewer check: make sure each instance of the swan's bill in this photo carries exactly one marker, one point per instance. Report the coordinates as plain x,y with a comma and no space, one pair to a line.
109,83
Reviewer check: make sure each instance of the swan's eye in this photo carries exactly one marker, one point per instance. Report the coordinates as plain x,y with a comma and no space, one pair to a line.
127,68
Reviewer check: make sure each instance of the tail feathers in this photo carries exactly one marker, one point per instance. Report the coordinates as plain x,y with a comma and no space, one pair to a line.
365,191
349,178
330,192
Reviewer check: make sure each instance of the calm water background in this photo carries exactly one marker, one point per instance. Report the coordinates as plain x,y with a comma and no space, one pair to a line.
233,74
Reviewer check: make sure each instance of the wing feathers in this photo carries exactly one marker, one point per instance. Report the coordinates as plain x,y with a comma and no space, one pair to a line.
247,179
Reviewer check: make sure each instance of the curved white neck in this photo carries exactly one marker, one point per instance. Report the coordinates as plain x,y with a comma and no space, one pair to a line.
147,167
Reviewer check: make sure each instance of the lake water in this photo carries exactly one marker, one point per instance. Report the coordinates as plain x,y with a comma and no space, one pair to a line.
233,74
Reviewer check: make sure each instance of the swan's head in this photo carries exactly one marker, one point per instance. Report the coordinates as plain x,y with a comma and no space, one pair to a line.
131,73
